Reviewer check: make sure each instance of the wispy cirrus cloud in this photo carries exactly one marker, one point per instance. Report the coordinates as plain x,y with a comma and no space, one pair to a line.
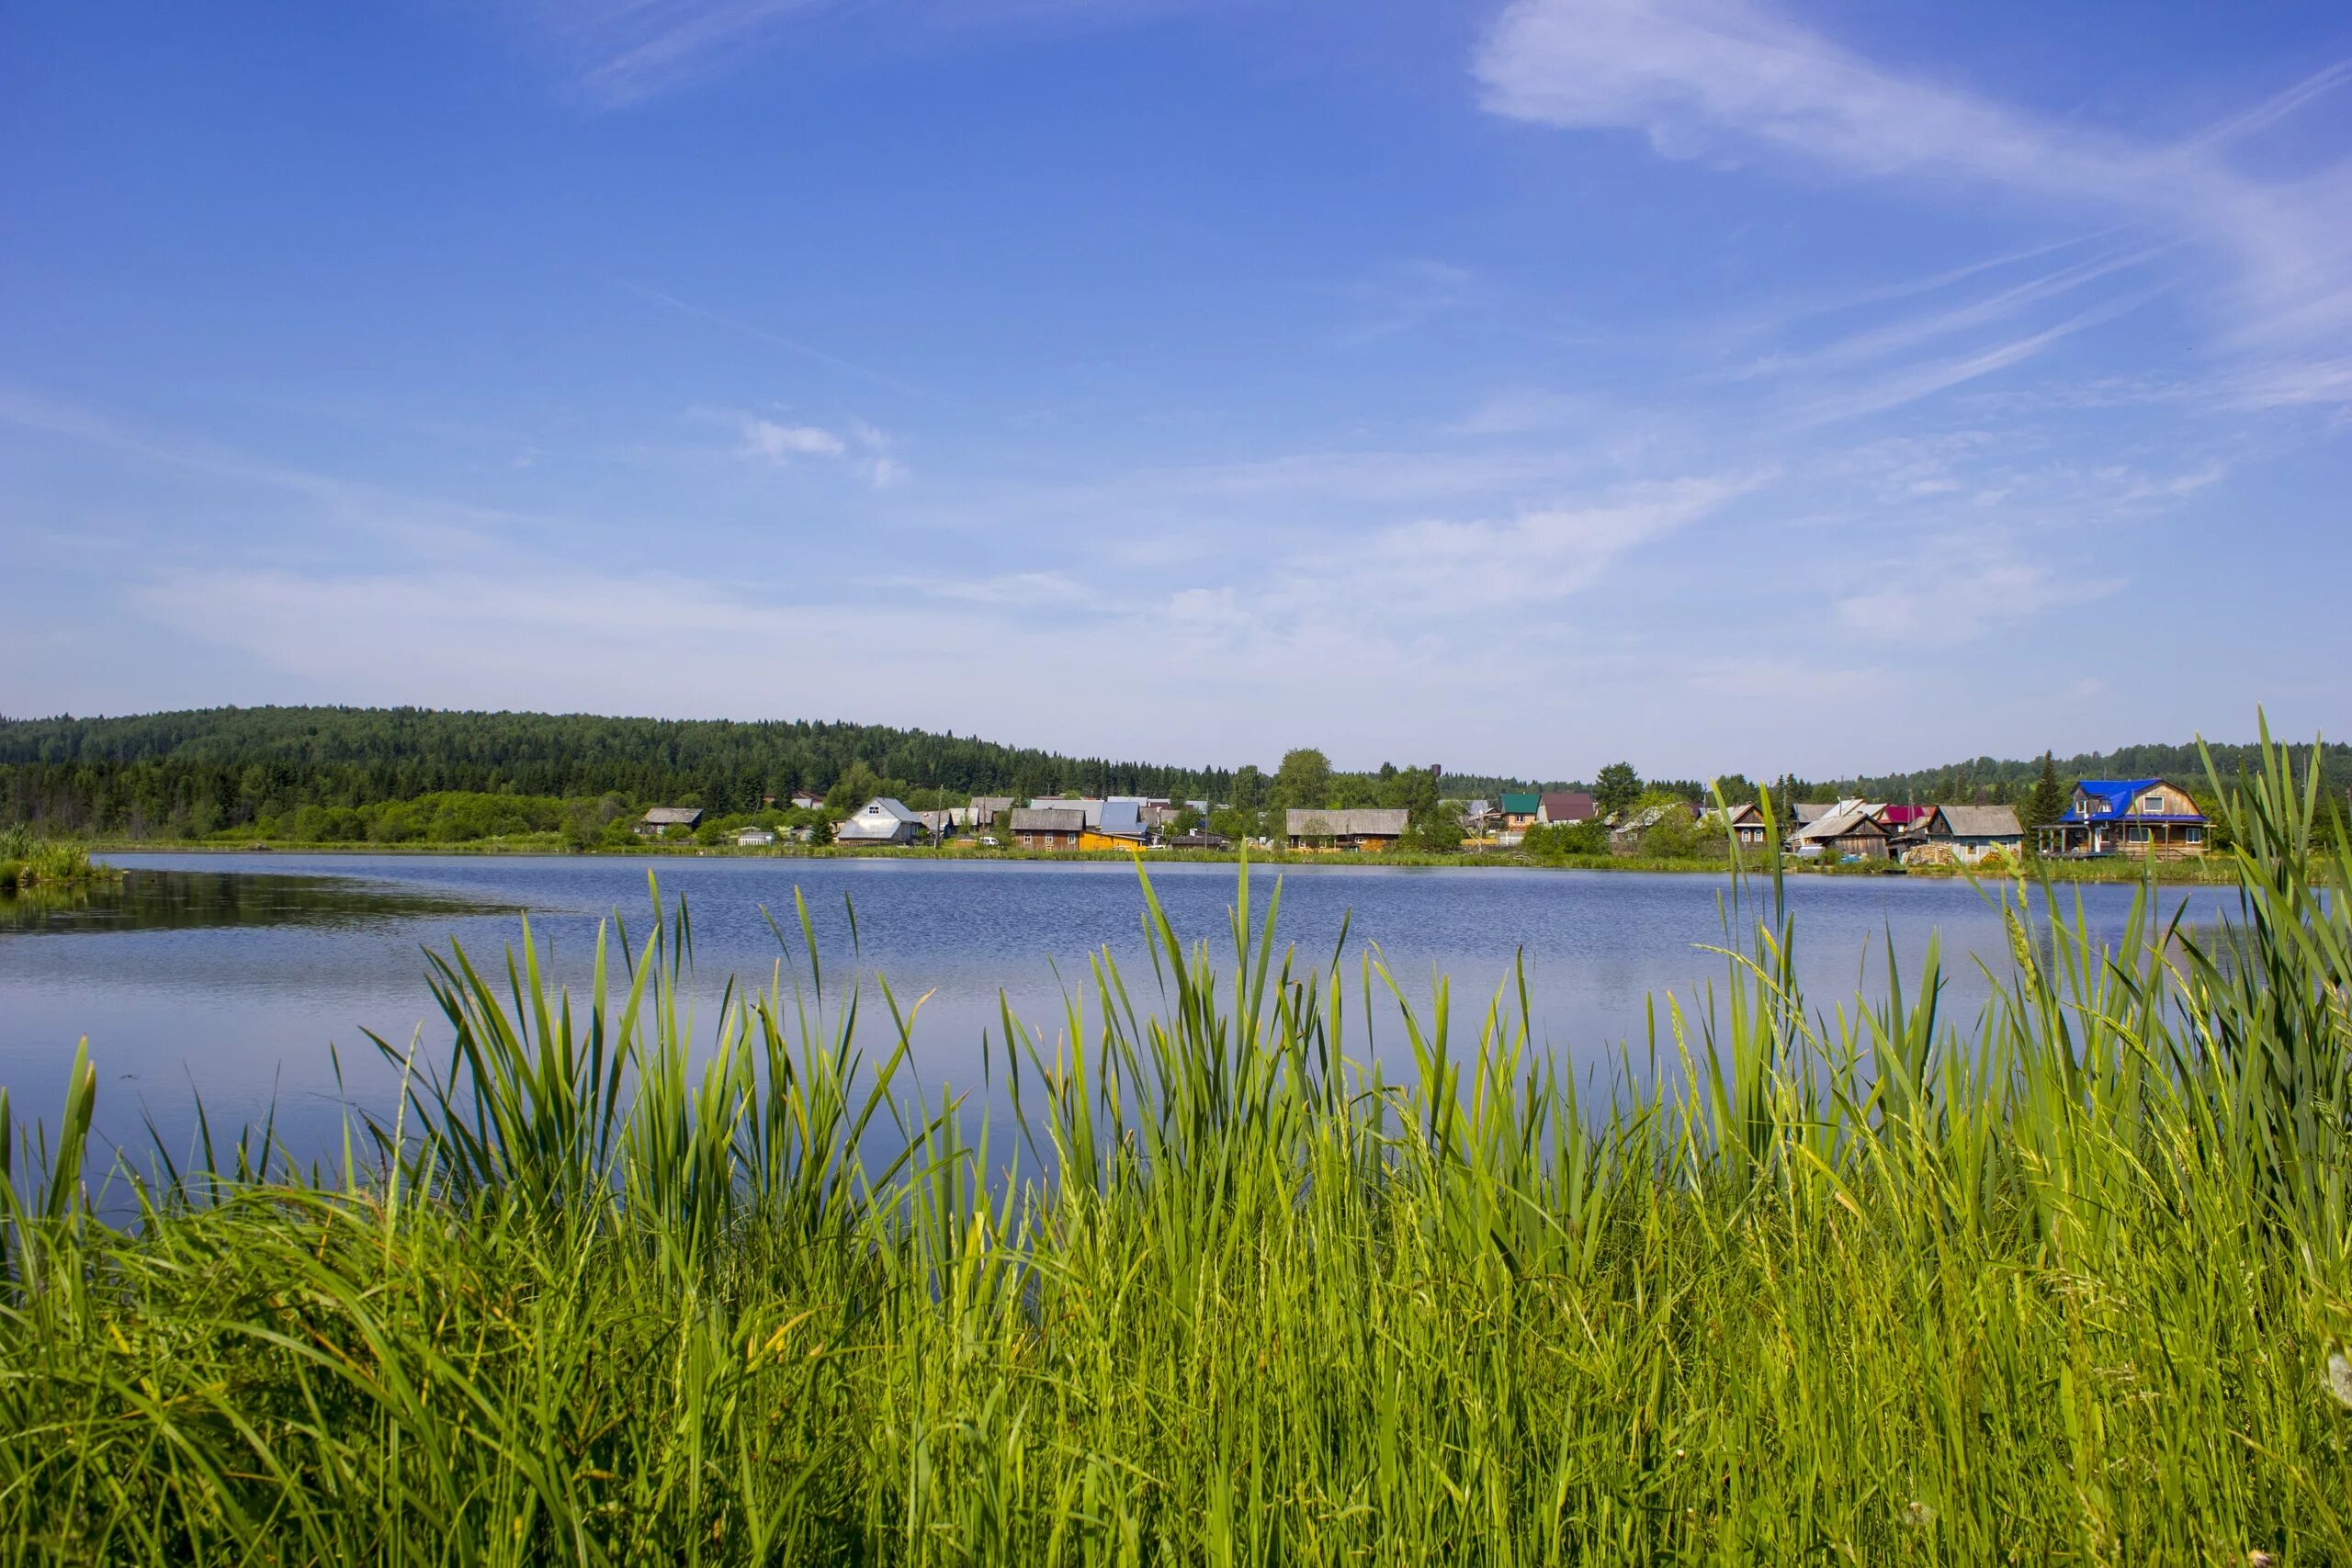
1548,553
623,52
1741,77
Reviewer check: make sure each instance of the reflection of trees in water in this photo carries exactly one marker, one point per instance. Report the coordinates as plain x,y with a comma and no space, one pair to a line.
162,900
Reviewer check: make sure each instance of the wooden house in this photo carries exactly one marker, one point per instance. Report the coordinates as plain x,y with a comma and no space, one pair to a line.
1364,828
1047,827
1520,811
1118,824
2136,817
659,819
1851,832
1745,824
1966,834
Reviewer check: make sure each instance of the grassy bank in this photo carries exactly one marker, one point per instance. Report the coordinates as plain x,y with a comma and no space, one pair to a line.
1842,1281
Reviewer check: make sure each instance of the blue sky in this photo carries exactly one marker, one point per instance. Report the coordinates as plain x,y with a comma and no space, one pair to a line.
1823,386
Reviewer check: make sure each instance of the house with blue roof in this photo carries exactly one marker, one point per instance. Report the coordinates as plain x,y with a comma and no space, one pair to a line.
2136,817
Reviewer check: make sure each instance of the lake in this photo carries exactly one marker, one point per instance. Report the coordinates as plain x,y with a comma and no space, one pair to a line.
248,978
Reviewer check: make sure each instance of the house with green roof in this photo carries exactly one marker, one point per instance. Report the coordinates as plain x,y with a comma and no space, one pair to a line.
1519,811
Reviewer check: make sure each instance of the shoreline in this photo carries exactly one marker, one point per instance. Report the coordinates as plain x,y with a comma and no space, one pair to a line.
2210,871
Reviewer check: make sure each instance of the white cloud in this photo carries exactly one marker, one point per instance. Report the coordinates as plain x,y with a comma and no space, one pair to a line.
1956,592
864,449
778,443
1015,589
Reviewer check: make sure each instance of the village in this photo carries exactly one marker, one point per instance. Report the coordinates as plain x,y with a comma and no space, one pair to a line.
2104,817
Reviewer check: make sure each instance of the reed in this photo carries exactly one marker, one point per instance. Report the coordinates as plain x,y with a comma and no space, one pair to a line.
1851,1280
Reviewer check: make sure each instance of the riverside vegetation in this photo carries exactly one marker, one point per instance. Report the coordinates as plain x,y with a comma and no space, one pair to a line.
1846,1280
30,863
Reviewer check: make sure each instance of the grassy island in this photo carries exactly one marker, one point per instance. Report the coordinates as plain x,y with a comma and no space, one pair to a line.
30,863
1845,1280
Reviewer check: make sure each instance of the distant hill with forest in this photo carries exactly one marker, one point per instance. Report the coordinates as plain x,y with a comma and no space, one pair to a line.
218,766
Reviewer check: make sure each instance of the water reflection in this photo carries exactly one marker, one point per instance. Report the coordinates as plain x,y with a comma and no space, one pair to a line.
190,900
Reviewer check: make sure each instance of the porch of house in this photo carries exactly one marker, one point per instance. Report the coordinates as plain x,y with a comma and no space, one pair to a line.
2166,839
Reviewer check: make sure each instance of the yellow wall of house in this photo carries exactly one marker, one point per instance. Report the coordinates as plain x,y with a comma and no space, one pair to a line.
1090,839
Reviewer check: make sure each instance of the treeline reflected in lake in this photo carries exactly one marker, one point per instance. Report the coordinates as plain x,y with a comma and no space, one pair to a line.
189,900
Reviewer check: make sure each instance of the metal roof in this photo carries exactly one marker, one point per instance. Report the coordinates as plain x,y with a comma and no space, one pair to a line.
2116,796
1121,818
673,816
1048,819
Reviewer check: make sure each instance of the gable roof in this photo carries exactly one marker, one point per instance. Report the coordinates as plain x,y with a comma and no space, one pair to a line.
1048,819
1568,805
2114,798
1907,816
673,816
1856,817
886,806
1089,806
1517,804
1120,820
1983,823
1364,821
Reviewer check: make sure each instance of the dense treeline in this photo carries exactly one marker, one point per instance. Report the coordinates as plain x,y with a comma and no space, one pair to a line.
1993,781
212,770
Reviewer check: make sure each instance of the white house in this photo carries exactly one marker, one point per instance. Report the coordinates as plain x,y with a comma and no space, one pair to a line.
881,820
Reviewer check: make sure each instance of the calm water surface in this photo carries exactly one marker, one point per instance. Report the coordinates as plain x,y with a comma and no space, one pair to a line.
245,977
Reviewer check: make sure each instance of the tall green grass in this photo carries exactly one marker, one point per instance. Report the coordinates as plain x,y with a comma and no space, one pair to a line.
28,861
1848,1281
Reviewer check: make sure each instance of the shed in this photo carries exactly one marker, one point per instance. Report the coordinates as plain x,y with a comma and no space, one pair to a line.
659,819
